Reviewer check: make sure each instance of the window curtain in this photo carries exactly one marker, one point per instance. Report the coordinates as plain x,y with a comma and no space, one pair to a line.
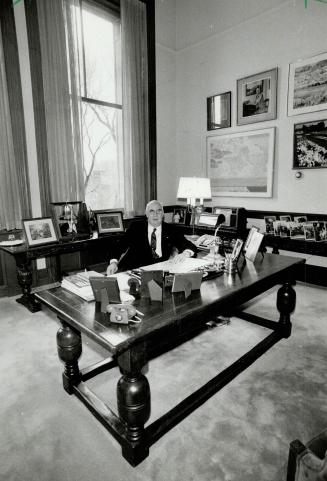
135,106
59,37
10,209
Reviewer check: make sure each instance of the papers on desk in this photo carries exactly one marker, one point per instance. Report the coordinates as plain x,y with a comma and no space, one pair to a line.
79,284
184,264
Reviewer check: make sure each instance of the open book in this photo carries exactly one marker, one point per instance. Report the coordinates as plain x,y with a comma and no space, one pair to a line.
79,284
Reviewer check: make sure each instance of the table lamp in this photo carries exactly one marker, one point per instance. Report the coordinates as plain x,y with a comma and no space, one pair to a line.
193,188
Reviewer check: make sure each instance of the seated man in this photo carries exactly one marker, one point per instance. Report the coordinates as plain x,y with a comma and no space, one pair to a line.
152,241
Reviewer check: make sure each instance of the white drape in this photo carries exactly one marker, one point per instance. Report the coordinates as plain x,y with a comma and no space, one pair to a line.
135,106
10,210
59,37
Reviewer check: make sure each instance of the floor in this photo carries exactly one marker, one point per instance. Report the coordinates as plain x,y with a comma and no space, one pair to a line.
241,434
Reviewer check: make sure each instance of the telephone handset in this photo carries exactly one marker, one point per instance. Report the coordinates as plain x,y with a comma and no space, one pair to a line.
206,240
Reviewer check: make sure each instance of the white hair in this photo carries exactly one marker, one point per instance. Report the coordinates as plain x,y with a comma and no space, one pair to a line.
153,202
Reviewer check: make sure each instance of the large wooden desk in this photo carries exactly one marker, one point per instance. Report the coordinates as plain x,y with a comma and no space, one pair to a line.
131,347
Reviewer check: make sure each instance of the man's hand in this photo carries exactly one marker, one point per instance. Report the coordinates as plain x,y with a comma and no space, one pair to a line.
181,257
112,267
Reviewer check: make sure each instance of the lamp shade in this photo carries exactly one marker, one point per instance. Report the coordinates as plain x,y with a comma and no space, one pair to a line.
193,188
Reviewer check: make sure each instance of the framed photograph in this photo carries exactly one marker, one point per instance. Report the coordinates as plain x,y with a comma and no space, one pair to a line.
300,218
39,231
257,97
269,221
241,164
71,220
285,218
276,224
320,231
109,221
296,230
307,85
310,145
219,111
284,229
237,249
309,232
179,216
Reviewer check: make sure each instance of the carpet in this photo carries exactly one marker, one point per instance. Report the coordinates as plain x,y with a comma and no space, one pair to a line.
241,434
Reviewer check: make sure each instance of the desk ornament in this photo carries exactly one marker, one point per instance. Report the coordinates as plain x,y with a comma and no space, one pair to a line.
187,282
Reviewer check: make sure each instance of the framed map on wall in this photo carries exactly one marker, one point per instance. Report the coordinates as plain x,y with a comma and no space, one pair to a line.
241,164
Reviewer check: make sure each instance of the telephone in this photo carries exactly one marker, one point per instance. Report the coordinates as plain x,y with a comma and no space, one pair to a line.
206,241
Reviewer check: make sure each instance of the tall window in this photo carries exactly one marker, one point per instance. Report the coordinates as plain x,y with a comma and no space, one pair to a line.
100,55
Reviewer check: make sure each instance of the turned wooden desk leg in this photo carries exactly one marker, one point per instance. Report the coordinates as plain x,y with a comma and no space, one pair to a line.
69,344
134,405
286,300
24,277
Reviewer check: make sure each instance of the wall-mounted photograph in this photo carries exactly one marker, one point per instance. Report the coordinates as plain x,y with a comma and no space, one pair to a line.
219,111
257,97
307,85
310,145
109,221
241,164
39,231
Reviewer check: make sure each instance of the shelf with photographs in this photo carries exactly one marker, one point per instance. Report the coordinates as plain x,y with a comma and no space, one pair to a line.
296,227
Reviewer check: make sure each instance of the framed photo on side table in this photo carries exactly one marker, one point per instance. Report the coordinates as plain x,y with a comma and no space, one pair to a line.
257,97
39,231
310,145
241,164
109,221
307,85
219,111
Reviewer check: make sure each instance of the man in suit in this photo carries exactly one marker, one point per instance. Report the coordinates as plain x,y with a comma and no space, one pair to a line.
152,241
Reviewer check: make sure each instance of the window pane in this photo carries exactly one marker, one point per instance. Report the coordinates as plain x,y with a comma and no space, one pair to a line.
104,176
101,32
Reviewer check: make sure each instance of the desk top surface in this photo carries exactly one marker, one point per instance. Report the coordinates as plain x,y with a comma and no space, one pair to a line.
216,296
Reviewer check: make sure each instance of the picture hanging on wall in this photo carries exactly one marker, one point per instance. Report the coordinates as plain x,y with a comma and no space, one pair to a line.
310,145
219,111
307,85
241,164
257,97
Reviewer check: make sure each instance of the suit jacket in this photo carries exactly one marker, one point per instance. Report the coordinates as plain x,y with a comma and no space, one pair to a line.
139,252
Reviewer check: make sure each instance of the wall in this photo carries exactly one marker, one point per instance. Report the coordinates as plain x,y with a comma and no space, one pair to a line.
274,38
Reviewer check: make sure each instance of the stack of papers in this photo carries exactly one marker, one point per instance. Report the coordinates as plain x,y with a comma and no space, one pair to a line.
79,284
183,264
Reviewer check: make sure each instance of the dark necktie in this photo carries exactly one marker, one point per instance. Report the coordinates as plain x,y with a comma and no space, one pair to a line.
154,243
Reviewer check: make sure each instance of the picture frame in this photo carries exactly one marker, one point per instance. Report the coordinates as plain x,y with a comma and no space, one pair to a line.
179,216
257,97
71,219
39,231
310,145
241,164
305,93
285,218
109,221
219,111
269,223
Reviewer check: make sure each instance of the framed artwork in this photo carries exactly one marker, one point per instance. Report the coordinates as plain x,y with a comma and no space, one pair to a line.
257,97
310,145
39,231
307,85
109,221
71,220
219,111
241,164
